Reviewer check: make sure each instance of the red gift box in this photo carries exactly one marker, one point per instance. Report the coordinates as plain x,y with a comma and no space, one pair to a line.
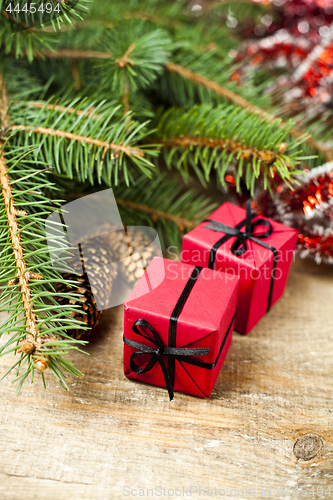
178,334
257,249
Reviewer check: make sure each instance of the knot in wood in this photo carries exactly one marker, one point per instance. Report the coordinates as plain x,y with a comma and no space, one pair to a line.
308,446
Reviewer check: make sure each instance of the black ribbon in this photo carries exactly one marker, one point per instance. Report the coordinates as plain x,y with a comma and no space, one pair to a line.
173,353
239,247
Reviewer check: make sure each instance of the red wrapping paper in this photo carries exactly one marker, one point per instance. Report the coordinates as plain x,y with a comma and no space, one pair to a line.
202,323
254,267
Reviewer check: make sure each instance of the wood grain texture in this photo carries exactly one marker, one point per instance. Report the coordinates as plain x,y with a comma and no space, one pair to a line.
269,422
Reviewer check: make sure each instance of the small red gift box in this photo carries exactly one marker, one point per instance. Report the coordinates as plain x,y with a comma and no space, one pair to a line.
178,334
257,249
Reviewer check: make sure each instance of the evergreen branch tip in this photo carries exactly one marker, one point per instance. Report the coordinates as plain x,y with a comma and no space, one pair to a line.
245,152
118,148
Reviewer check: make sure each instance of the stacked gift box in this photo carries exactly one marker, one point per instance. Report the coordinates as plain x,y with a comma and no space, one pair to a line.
180,316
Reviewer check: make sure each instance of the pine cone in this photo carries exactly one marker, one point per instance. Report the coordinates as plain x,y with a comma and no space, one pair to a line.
135,251
97,254
95,281
88,312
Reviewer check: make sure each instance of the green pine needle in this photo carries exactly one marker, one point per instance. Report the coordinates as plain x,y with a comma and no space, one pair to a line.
28,179
100,145
210,138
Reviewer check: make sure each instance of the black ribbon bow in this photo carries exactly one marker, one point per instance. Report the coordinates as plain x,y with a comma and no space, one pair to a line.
157,353
239,247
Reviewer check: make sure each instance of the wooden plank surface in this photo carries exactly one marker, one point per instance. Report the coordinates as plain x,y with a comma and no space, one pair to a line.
269,423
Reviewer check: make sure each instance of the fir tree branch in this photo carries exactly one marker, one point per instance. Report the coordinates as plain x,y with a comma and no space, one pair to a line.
11,213
210,137
201,80
240,101
154,18
164,203
122,62
125,59
180,221
36,323
126,95
66,109
140,52
78,144
246,152
34,340
156,214
310,141
119,148
69,53
3,104
17,247
16,21
75,74
18,30
218,89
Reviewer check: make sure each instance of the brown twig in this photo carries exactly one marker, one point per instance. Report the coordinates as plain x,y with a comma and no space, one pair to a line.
79,25
119,148
180,221
122,62
126,95
154,18
3,105
75,74
125,59
128,15
218,89
22,274
19,23
246,152
56,107
240,101
70,54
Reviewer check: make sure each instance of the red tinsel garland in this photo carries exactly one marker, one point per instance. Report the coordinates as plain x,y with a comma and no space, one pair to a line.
308,208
